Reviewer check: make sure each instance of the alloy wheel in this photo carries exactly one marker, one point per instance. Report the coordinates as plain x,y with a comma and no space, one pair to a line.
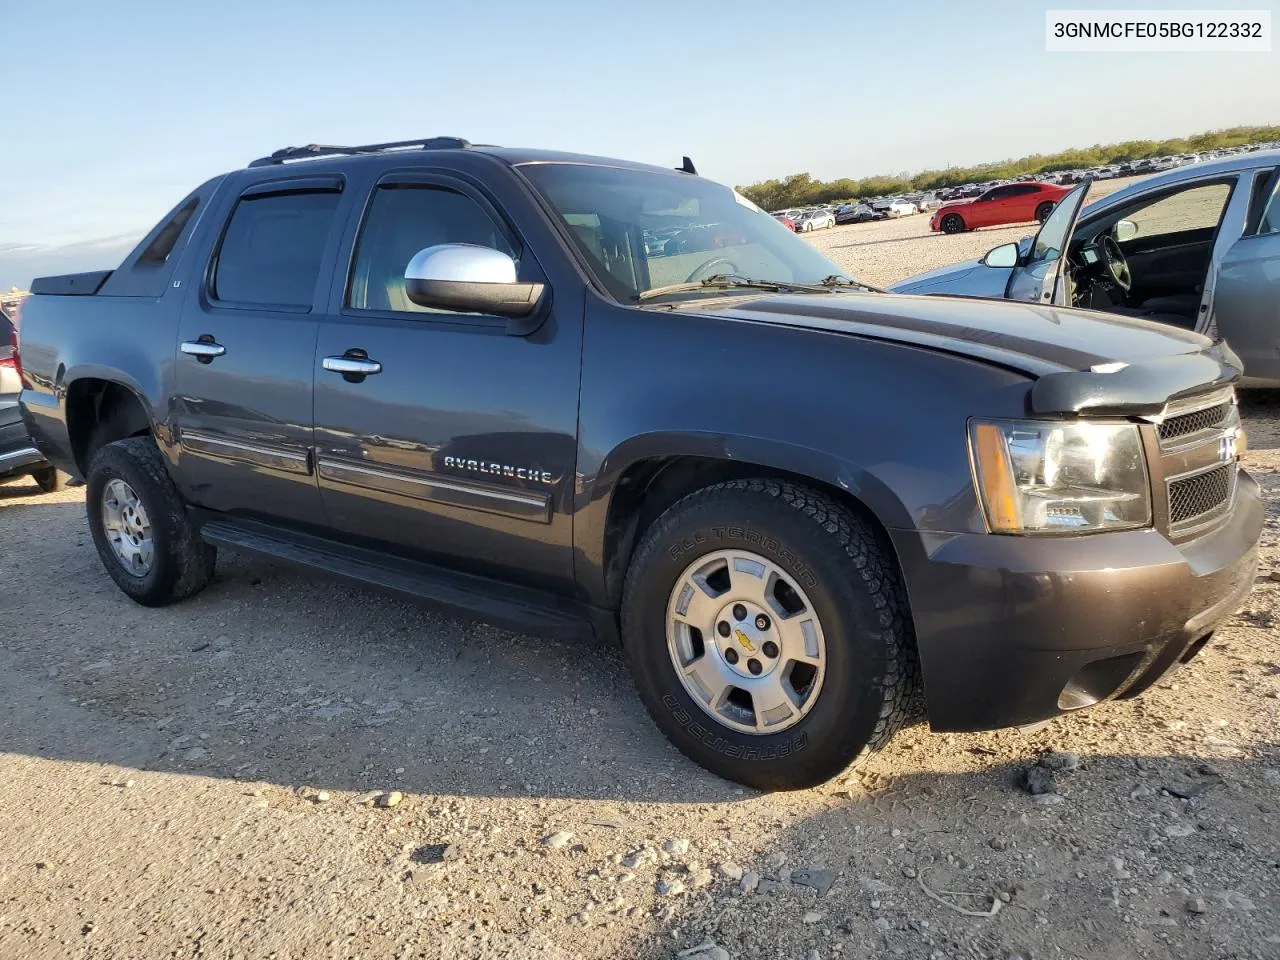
746,642
128,528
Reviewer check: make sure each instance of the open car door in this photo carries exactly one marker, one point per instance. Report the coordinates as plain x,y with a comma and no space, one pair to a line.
1038,277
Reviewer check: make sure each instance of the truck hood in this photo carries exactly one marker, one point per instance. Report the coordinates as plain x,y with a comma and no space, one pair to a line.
1082,360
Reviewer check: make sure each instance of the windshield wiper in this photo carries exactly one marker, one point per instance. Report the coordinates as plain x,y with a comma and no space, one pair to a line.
835,280
725,281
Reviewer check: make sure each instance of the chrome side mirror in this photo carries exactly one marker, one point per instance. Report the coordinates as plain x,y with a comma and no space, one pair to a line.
1125,230
475,279
1005,255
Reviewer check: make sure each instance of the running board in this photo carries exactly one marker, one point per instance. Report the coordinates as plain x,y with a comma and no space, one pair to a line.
506,605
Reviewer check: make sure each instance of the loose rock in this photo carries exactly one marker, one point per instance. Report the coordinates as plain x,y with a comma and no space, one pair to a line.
1037,780
672,887
1197,905
813,916
555,841
700,877
750,881
820,880
730,870
677,847
389,799
1234,900
1063,760
639,857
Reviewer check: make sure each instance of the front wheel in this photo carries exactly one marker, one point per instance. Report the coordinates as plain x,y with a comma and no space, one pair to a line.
140,525
952,223
1043,211
768,633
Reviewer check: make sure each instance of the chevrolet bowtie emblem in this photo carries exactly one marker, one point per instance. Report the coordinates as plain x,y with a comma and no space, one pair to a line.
745,641
1227,447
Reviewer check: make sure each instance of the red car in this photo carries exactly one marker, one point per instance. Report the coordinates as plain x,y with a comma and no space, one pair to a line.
1008,203
786,221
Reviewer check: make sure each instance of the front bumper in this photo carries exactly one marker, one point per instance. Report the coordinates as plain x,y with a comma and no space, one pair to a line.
1015,630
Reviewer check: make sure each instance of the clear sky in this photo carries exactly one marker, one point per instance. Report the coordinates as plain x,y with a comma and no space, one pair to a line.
113,111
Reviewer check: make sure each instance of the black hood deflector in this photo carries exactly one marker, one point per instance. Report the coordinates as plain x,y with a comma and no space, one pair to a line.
1140,389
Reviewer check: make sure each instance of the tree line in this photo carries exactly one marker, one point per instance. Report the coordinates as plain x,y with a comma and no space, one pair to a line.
800,189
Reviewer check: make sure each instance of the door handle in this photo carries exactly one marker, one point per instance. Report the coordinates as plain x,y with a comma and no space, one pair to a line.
203,349
352,366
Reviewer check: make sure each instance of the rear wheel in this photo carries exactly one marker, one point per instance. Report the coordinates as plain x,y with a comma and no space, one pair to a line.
1043,211
767,631
952,223
140,525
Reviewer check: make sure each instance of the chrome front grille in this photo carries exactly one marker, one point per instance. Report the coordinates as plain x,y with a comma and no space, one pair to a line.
1197,440
1177,427
1196,499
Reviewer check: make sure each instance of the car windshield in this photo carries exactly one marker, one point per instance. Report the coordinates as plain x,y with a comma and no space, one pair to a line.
643,229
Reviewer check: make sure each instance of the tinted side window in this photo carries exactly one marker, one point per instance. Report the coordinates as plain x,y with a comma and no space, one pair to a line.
272,248
403,220
159,249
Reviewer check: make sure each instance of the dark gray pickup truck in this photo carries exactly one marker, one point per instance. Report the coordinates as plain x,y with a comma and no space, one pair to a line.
575,395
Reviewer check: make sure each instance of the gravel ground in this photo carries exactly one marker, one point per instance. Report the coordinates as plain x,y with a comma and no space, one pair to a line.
887,251
288,767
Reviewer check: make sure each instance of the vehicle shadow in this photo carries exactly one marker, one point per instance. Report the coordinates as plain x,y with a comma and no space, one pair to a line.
1115,864
279,675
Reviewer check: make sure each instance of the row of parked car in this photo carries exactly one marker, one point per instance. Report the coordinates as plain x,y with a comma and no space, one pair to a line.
803,220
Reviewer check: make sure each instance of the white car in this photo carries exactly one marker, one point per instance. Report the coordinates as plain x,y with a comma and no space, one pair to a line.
898,208
815,220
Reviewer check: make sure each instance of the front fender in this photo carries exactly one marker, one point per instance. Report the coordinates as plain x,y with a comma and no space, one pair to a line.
756,451
972,278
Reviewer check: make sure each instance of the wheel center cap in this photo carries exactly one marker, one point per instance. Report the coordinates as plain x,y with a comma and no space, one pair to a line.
746,639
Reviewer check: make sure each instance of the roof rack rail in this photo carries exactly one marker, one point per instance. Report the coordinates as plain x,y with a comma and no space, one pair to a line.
313,150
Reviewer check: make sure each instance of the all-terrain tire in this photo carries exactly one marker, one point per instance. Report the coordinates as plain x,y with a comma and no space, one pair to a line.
182,563
852,579
50,479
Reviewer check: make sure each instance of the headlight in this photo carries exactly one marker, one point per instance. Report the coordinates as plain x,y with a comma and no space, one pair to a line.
1042,477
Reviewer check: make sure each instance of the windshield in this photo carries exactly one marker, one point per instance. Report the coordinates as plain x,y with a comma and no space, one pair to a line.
640,229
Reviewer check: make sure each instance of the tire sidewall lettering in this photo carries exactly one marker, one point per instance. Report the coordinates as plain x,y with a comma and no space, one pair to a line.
716,741
749,537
